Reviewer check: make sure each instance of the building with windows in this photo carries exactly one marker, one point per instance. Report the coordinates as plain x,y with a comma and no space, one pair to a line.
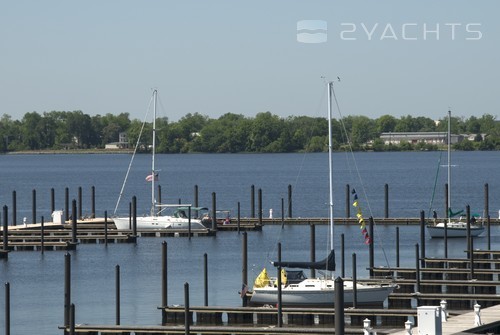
121,144
437,138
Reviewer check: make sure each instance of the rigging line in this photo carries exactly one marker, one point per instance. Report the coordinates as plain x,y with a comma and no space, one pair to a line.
435,184
133,156
360,179
296,182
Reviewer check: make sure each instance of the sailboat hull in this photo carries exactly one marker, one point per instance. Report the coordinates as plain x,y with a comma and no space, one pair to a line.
454,230
159,222
321,293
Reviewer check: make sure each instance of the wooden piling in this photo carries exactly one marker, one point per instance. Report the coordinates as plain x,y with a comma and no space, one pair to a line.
67,288
42,235
422,237
280,301
159,194
66,203
164,277
282,213
397,247
196,195
72,319
312,229
238,221
244,272
5,229
205,278
386,200
92,202
347,201
33,206
117,294
260,205
252,201
7,308
14,208
417,267
486,201
342,255
134,215
370,246
214,211
187,316
354,282
339,307
80,203
52,200
73,222
290,201
106,228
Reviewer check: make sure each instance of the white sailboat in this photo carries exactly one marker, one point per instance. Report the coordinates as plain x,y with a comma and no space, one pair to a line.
317,292
454,228
179,220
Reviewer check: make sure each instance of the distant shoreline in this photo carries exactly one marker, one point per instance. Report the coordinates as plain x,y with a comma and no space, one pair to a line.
69,152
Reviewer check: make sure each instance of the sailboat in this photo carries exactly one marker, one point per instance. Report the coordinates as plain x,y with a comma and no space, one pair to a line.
297,290
179,220
457,228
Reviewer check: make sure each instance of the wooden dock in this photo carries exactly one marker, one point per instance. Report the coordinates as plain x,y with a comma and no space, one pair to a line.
306,321
60,236
464,323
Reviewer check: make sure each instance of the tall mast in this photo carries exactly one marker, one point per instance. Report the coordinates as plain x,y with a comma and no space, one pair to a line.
153,200
449,166
330,93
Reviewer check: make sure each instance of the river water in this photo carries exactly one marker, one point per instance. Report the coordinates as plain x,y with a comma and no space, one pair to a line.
37,281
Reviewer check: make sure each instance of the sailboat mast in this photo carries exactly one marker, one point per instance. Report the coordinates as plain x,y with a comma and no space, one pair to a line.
153,175
449,166
330,169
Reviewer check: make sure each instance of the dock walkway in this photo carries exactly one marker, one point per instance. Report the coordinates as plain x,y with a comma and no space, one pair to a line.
464,323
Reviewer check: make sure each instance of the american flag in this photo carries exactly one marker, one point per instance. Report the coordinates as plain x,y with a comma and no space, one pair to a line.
150,177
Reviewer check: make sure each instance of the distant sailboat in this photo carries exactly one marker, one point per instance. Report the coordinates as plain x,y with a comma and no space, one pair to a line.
297,290
180,220
454,228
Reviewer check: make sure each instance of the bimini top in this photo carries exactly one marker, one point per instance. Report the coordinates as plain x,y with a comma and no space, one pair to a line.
182,211
326,264
186,208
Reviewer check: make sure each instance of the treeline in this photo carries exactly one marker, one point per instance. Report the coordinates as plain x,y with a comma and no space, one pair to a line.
232,133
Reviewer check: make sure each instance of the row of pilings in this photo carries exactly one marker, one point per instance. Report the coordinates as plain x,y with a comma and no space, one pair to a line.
285,207
416,286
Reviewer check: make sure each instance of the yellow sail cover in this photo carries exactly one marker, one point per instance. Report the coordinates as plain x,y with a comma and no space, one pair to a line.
262,279
283,278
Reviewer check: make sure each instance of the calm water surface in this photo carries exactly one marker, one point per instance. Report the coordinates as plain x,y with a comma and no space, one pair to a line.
37,281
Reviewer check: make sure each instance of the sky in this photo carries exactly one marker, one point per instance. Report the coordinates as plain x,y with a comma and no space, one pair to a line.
214,57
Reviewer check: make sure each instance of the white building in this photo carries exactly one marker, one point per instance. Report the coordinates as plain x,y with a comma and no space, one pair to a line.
438,138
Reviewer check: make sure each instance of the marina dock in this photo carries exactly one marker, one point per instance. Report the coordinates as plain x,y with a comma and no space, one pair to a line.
61,236
298,321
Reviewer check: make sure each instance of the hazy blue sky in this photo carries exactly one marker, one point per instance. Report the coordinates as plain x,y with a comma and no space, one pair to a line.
215,57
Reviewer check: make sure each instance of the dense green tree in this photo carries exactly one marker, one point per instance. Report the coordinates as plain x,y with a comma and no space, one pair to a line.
231,132
386,124
30,131
265,130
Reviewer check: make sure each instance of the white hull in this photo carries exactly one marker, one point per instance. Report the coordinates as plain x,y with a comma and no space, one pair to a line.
320,292
438,232
158,222
454,229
